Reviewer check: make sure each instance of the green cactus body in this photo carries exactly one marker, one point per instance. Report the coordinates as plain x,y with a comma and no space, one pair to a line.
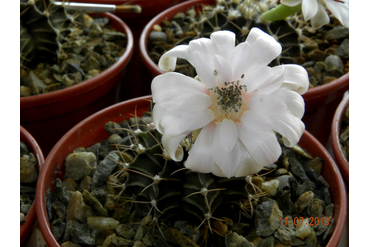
43,26
169,191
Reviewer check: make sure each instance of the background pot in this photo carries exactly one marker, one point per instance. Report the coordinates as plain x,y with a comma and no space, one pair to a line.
33,147
48,116
321,101
90,131
335,133
149,8
136,71
167,14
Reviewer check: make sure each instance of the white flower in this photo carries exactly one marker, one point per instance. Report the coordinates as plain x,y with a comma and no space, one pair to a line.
315,10
238,103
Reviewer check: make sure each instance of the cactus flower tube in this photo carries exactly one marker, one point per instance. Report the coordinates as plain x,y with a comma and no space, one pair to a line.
234,107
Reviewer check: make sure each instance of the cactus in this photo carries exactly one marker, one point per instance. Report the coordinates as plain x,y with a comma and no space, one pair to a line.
61,47
43,28
136,190
236,16
148,178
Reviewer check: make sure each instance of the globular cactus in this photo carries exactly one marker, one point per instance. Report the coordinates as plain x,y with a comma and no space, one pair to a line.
144,195
147,177
61,47
238,16
43,28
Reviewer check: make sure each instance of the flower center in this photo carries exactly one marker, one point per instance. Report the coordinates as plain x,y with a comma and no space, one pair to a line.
230,97
228,100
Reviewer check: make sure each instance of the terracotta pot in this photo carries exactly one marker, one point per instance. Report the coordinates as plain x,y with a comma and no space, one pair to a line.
320,102
90,131
32,145
335,142
48,116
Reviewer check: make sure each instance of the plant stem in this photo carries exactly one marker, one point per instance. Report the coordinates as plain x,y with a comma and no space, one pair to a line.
280,12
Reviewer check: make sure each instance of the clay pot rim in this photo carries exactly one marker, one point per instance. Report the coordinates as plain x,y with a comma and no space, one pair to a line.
34,147
311,93
335,132
340,211
88,85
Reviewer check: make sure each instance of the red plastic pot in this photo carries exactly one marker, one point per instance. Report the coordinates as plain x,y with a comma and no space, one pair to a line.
32,145
90,131
335,133
320,102
48,116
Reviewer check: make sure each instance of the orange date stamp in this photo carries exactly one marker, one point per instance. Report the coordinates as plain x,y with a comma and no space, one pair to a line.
313,221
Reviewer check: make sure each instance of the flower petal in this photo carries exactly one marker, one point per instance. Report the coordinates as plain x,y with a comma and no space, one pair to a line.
158,113
247,165
291,3
176,122
227,161
283,121
224,42
290,127
204,65
228,135
259,49
202,54
167,62
263,146
293,101
171,145
295,77
257,119
188,102
200,157
321,18
309,9
223,70
171,85
339,10
264,79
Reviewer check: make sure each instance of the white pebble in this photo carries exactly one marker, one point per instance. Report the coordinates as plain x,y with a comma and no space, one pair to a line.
271,186
157,28
102,223
303,230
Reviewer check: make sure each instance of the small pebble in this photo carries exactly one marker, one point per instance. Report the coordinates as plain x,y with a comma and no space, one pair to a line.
333,62
303,229
78,165
303,201
157,28
270,186
102,223
157,36
25,91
